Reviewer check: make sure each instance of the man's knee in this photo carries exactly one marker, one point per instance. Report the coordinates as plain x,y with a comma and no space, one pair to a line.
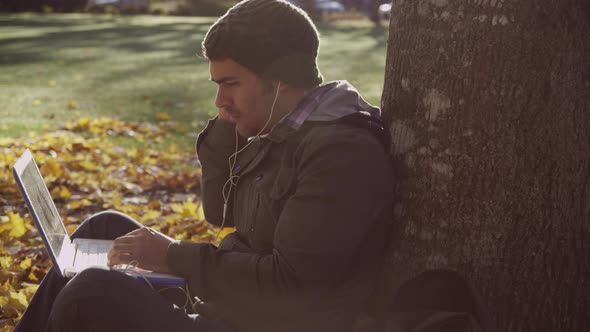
109,215
88,298
101,299
85,284
106,225
66,313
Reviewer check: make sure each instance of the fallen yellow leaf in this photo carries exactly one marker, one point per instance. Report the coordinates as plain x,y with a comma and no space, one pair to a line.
79,203
17,301
162,116
52,167
187,209
64,193
15,226
26,263
33,277
5,262
180,236
200,213
83,123
149,216
71,228
87,165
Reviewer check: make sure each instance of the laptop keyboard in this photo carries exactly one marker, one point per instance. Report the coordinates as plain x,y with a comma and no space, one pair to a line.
91,253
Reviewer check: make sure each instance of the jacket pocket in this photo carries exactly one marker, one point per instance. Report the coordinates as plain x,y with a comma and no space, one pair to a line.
284,183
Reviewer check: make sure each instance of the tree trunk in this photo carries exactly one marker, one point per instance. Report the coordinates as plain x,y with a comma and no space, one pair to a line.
488,105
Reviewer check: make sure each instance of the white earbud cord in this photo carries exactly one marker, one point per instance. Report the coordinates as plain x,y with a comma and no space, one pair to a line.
232,181
129,270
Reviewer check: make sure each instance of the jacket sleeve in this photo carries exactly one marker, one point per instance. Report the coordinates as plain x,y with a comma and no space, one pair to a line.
215,144
344,181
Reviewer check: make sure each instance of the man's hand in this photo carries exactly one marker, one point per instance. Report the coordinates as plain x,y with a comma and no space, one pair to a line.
145,246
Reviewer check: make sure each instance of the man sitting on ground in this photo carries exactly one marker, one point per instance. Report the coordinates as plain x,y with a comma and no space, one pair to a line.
300,169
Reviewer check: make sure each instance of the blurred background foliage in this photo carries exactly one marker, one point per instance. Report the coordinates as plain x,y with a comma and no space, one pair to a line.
157,7
319,10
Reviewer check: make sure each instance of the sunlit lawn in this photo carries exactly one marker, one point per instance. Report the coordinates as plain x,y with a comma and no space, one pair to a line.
55,68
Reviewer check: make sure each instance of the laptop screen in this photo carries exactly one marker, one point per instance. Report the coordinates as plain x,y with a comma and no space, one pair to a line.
43,207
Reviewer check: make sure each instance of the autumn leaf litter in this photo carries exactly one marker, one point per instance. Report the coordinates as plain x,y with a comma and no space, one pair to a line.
85,174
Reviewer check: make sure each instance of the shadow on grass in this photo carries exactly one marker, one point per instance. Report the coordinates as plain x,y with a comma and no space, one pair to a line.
174,38
113,33
48,21
136,67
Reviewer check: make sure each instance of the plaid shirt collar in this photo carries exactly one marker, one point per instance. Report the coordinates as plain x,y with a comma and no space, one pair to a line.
295,119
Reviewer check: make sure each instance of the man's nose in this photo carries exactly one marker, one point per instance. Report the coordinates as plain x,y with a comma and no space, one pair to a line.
222,100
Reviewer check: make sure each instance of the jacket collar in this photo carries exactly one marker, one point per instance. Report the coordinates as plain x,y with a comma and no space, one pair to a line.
295,119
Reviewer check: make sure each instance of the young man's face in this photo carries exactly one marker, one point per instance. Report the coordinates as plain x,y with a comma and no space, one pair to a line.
242,96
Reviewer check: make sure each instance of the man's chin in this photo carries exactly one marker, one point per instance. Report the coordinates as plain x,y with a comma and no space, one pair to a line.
244,132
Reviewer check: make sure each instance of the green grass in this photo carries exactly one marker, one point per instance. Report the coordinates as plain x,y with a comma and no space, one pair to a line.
135,67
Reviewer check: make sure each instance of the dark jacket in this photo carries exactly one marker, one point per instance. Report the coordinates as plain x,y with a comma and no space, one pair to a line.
310,211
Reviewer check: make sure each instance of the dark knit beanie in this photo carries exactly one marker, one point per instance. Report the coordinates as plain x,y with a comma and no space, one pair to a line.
272,38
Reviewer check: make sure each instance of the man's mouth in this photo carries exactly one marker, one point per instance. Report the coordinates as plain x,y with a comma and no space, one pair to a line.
233,114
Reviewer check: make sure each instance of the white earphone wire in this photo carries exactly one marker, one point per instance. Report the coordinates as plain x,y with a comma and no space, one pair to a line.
232,180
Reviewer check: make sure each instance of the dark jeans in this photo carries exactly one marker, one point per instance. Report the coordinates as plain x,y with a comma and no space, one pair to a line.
101,299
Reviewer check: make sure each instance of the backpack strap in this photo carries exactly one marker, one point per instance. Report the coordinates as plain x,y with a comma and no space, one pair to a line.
374,125
358,120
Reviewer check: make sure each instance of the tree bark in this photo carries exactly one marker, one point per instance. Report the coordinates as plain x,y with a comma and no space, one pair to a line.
488,105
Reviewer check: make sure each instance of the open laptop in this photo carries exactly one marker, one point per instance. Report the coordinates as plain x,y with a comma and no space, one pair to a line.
69,257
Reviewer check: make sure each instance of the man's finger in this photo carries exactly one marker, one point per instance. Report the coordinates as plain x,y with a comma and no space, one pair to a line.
137,231
122,247
121,250
134,232
126,239
120,259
